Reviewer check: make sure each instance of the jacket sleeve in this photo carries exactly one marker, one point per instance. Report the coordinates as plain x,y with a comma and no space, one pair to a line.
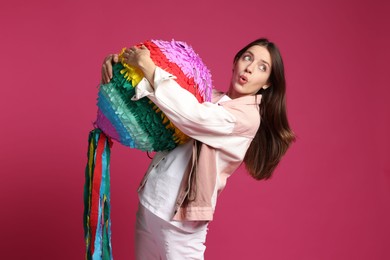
207,122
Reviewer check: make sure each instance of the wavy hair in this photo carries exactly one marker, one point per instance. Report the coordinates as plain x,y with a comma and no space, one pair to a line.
274,135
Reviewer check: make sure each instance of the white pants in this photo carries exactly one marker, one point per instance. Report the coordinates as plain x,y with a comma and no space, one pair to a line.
157,239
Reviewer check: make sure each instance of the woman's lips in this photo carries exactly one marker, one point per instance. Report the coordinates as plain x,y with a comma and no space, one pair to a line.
242,79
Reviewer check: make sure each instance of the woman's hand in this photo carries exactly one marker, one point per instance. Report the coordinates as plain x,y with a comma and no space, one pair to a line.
140,58
137,57
107,67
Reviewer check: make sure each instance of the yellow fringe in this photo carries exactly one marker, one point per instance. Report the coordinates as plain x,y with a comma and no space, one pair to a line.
130,73
178,136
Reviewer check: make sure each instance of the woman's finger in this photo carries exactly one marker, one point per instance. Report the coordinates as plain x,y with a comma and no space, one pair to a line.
105,77
108,73
115,58
107,70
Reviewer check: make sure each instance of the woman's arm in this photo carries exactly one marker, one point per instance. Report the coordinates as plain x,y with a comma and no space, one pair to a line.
207,122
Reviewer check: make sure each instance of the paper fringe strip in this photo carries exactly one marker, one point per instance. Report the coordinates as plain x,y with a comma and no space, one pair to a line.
97,223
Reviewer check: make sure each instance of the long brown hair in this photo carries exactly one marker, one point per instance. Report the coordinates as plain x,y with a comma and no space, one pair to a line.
274,135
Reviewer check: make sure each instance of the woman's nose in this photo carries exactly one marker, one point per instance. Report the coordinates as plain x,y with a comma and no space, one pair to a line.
249,68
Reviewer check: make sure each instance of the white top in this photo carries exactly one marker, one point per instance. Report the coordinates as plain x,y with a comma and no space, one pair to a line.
163,181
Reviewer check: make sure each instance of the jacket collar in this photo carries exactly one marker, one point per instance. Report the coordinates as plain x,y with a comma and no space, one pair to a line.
245,100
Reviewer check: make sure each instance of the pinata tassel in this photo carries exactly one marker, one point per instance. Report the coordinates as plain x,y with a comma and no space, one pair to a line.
97,222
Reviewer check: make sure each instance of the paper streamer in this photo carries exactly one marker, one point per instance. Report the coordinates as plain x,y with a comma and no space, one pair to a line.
97,223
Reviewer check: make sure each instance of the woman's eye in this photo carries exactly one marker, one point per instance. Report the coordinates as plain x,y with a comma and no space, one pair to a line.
263,67
247,58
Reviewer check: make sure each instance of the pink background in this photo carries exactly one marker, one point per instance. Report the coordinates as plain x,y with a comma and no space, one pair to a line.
330,197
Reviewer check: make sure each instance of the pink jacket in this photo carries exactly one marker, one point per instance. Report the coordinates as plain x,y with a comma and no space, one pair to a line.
224,131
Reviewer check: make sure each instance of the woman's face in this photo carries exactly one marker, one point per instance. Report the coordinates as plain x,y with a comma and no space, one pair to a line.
250,72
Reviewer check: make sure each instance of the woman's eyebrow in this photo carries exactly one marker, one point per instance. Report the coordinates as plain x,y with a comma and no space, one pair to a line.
251,53
266,63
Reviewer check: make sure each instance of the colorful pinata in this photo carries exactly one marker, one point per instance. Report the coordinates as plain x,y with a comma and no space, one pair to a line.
141,124
137,124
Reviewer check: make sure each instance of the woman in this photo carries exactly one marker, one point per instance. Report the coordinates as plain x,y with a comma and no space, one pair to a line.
179,191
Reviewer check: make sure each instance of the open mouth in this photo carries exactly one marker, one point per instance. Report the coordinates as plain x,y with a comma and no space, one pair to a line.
243,79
